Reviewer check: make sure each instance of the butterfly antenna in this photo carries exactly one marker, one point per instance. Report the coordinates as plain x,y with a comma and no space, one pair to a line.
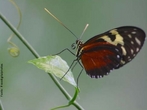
84,30
59,22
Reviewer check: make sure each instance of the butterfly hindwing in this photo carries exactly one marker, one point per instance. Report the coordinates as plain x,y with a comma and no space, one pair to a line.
99,59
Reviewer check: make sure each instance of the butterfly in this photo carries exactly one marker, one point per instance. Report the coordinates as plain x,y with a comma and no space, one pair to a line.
109,50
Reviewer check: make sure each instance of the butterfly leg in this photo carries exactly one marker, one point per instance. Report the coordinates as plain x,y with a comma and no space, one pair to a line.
79,77
80,72
69,68
74,66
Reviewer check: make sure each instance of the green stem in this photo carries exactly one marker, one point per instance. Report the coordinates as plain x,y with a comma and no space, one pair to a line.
70,102
33,51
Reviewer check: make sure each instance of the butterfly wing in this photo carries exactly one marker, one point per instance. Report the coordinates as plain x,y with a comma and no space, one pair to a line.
99,58
111,50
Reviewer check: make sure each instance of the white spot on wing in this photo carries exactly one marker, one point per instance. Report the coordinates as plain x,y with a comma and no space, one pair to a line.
132,42
137,49
129,59
117,65
122,62
133,32
123,50
118,56
138,41
99,76
116,49
129,36
132,51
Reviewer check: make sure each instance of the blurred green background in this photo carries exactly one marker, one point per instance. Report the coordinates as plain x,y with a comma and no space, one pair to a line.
28,88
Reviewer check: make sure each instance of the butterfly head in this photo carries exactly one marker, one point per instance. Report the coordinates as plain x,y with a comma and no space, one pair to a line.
77,45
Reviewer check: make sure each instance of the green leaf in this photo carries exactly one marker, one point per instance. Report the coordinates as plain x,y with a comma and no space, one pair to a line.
55,65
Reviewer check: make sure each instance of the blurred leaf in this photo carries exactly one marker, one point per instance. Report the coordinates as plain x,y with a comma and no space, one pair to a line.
55,65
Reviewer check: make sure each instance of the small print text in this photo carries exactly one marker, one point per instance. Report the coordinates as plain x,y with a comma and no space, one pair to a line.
1,80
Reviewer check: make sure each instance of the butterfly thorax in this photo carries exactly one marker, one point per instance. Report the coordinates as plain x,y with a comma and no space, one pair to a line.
79,45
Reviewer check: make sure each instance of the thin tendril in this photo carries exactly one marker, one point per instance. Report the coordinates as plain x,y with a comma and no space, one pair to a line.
14,50
20,18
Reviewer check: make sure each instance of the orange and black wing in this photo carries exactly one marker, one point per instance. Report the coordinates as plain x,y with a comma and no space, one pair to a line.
111,50
99,59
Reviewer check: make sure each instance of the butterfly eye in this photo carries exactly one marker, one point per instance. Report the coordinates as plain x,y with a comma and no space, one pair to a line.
73,46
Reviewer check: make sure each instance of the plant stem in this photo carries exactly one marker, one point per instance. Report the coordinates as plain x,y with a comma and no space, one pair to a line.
33,51
1,106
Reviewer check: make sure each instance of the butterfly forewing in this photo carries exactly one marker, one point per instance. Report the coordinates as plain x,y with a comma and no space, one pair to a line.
131,41
110,50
